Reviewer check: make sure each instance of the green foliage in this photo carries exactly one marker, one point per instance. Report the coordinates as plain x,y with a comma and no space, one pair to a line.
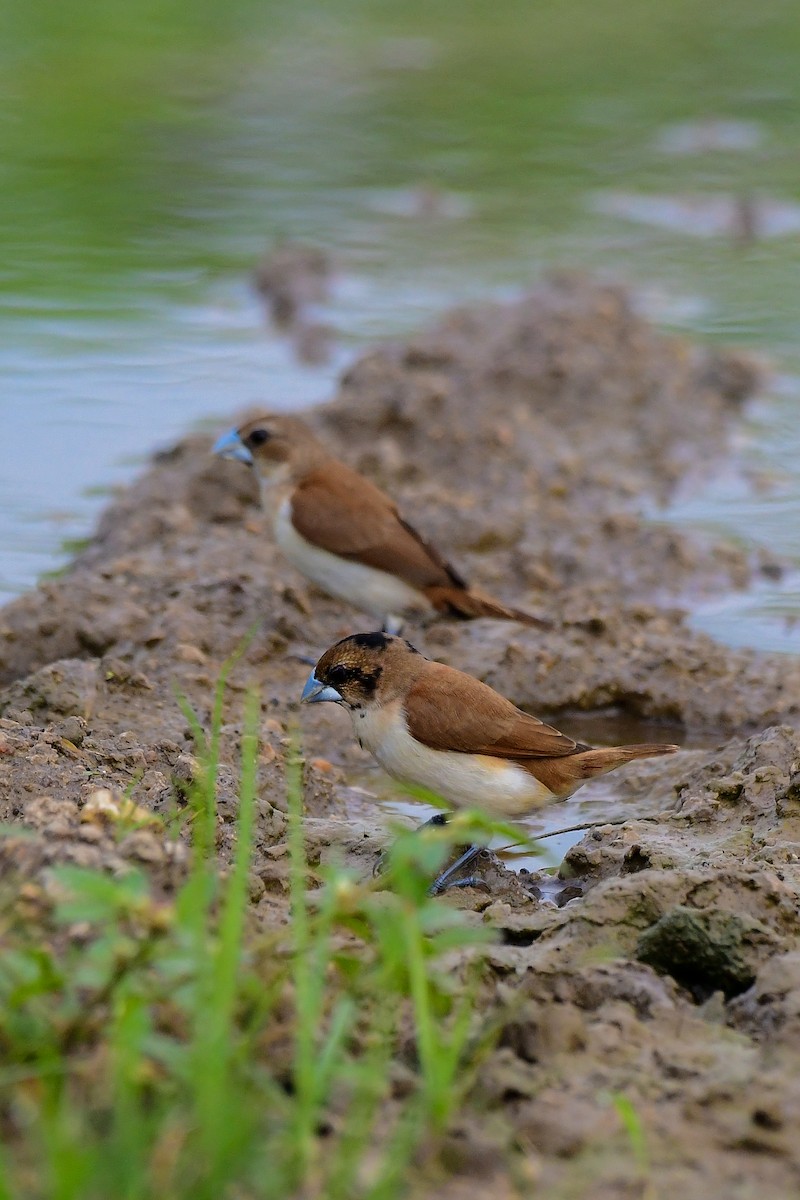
637,1139
171,1048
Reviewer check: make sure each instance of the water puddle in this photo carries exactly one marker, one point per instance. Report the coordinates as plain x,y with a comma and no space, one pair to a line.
550,851
767,614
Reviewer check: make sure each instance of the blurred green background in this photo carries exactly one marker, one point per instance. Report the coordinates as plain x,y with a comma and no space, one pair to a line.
442,152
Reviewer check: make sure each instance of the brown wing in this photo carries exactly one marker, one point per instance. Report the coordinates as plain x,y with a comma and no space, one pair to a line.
448,710
339,510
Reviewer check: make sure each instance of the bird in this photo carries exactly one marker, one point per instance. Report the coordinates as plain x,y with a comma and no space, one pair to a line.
347,536
439,728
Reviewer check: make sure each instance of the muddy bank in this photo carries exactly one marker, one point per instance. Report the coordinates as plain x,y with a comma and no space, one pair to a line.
525,440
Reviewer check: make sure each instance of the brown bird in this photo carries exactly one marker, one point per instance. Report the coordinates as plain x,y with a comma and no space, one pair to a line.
346,535
434,726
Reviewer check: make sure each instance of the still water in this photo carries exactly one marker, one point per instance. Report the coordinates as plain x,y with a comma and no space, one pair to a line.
442,153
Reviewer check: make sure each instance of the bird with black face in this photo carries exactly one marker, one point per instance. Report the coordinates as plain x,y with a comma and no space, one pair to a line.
434,726
346,535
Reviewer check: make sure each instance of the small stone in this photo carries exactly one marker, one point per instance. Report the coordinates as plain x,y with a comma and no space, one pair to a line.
143,846
190,654
90,833
104,806
73,730
101,803
186,770
256,887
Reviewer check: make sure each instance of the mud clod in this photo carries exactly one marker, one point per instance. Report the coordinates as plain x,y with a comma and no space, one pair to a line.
67,688
706,951
292,279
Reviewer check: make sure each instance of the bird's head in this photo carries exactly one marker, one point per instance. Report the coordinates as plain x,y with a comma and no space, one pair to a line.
361,669
268,442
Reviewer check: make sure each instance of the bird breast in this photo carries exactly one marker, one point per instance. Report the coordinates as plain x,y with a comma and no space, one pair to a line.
497,786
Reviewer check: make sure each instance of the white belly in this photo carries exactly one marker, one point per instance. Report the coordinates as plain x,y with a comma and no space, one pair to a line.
374,591
499,787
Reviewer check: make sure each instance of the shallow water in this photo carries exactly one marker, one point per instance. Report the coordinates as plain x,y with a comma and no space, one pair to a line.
443,154
553,829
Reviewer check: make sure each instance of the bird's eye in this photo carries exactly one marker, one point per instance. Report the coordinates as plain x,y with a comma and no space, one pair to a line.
338,674
258,437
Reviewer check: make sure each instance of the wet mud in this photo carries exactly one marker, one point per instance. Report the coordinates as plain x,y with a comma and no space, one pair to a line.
528,441
293,280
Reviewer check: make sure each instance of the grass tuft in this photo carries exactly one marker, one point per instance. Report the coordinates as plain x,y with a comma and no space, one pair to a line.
174,1046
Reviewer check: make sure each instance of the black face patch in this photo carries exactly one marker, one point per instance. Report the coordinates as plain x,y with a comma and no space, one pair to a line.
364,679
353,665
369,680
339,674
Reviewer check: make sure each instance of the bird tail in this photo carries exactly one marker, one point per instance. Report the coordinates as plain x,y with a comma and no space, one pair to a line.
562,776
467,604
607,758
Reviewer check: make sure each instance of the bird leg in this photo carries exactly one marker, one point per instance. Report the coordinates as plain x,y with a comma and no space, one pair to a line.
444,881
436,819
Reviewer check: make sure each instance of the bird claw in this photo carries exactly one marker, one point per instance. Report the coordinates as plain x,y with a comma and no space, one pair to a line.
471,881
445,880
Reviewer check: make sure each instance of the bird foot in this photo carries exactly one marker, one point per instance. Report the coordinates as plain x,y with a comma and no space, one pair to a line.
471,881
437,819
446,880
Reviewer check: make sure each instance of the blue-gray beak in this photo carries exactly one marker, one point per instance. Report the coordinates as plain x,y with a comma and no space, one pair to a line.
315,692
230,445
